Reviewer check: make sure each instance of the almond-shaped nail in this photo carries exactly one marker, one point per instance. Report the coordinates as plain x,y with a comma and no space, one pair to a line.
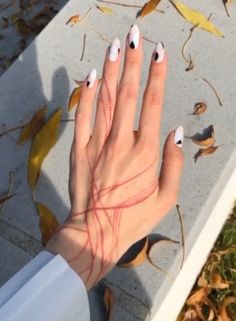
159,53
91,78
134,35
179,136
114,50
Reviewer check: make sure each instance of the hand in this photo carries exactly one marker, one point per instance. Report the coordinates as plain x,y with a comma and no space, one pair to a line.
116,196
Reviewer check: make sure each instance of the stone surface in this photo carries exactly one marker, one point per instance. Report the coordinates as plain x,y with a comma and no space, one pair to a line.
44,74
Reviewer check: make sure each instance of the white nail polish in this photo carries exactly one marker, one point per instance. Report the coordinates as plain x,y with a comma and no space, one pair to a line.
91,78
179,136
159,53
114,50
134,35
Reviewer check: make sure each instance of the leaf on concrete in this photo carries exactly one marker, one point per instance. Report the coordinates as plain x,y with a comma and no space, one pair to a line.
109,301
73,20
139,258
210,141
199,108
33,127
205,152
148,8
44,140
226,5
196,18
104,9
74,98
47,222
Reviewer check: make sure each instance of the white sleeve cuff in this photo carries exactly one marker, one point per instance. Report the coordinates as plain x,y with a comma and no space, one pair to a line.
45,289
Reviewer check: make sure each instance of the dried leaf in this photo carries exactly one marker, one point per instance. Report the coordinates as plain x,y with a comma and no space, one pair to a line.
33,127
139,258
198,296
73,20
109,301
205,152
74,98
199,108
3,199
44,140
226,4
190,65
104,9
196,18
210,141
217,282
47,222
148,8
223,313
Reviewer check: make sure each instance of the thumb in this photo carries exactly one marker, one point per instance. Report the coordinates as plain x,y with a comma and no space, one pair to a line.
171,168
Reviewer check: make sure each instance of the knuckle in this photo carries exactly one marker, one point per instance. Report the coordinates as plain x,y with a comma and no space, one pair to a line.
152,98
128,93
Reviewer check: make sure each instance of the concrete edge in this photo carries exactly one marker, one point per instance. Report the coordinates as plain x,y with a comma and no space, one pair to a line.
175,298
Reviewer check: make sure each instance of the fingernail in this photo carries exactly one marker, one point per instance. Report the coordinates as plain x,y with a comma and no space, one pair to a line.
179,136
114,50
159,53
91,78
134,35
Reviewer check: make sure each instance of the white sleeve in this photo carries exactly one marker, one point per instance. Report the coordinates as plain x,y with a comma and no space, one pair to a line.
46,289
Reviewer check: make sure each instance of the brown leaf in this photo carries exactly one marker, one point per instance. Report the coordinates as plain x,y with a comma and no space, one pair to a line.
223,312
205,152
43,142
47,222
198,296
139,258
190,65
217,282
73,20
3,199
109,301
148,8
199,108
210,141
74,98
33,127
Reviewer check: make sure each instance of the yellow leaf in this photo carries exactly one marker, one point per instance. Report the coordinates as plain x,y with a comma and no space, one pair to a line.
196,18
148,8
205,142
32,128
47,222
74,98
45,139
104,9
73,20
109,301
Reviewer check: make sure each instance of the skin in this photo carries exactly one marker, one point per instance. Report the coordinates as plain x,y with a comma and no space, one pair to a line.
117,196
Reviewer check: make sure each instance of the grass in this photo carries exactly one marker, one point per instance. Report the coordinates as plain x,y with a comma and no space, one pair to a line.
213,297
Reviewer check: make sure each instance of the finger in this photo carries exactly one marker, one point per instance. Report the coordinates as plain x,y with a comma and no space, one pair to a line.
129,84
83,116
171,169
107,94
150,118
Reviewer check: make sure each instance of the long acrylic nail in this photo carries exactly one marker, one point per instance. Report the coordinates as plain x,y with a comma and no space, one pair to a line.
114,50
159,53
134,35
179,136
91,78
